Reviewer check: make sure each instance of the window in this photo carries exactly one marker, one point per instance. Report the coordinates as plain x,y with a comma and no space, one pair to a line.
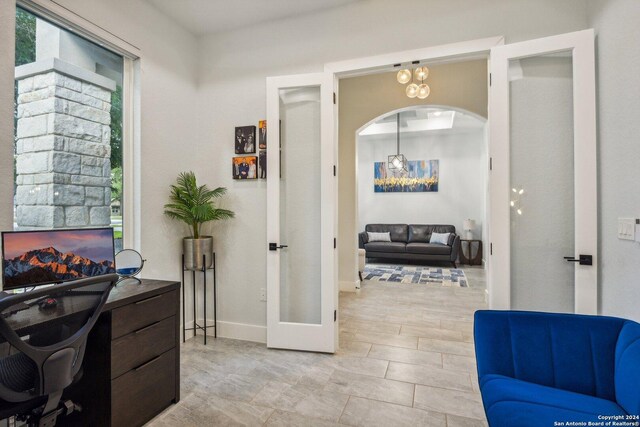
69,134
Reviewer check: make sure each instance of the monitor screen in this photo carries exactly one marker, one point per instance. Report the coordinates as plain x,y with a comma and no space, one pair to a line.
31,258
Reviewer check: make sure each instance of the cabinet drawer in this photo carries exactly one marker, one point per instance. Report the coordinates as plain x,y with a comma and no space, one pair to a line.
142,345
143,313
144,392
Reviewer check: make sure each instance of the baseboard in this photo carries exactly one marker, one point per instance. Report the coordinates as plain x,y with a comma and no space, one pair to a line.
242,331
236,331
349,286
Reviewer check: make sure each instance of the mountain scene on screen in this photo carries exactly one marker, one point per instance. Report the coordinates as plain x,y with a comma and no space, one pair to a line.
49,265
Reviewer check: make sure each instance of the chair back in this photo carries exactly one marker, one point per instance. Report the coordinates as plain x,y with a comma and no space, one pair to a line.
44,346
567,351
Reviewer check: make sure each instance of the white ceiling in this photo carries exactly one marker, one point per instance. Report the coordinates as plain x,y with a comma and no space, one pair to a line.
214,16
422,121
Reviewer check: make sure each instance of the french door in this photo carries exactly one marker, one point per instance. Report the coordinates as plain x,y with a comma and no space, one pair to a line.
543,199
301,273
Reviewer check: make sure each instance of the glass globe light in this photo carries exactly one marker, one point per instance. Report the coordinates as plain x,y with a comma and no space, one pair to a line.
404,76
412,90
423,91
396,162
421,73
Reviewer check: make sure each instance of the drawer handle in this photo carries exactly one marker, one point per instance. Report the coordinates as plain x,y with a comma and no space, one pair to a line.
144,365
148,299
147,327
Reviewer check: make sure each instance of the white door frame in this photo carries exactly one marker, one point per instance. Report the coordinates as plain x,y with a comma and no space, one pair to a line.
300,336
453,52
585,163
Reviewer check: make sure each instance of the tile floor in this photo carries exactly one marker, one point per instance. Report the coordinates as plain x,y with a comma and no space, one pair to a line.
406,359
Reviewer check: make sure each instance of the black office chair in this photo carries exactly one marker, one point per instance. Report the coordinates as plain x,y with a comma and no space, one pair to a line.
44,346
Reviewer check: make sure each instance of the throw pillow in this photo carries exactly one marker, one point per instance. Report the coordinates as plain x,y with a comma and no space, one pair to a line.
441,238
379,237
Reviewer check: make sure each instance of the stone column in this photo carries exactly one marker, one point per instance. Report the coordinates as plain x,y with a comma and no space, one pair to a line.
63,146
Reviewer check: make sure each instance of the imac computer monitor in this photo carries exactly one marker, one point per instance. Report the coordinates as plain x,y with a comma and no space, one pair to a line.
32,258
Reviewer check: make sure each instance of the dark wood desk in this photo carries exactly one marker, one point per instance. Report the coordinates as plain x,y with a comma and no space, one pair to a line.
132,361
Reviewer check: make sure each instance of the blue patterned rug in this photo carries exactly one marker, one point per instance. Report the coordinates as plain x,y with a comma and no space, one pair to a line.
415,274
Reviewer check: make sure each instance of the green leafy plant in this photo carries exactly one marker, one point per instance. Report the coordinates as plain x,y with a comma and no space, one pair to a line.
194,205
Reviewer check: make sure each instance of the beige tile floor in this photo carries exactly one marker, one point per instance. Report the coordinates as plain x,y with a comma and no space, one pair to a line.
406,359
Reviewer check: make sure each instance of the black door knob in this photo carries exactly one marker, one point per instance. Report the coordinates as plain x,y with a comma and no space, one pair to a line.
275,246
583,259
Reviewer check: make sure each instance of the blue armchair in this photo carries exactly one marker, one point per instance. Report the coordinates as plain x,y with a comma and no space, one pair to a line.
535,369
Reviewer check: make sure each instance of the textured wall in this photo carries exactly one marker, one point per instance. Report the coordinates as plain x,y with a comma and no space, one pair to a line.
618,62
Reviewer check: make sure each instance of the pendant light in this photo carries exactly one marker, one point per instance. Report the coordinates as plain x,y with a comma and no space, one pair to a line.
414,90
397,162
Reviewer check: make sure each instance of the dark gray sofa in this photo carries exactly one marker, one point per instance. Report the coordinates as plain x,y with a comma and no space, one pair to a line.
411,243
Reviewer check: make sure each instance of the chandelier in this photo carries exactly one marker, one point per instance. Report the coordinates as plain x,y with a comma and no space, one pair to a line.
397,162
415,90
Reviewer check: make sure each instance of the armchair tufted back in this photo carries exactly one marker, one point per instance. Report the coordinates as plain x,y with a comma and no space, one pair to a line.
565,351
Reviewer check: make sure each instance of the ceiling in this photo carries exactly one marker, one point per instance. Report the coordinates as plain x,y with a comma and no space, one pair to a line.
213,16
422,121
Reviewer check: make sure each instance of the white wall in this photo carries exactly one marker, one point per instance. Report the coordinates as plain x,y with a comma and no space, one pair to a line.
461,190
234,65
618,62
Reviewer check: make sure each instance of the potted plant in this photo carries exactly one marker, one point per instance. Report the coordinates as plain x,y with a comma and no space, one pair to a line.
194,205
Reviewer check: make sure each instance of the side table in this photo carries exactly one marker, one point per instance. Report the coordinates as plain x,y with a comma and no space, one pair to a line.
471,251
197,326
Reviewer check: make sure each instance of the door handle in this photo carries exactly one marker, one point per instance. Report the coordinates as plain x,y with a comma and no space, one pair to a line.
583,259
275,247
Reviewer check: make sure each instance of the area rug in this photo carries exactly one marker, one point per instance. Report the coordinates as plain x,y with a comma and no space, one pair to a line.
446,277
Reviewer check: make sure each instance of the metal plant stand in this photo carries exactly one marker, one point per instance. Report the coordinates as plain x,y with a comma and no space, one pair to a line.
197,326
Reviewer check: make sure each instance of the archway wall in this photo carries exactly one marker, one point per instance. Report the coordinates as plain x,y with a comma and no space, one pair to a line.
462,85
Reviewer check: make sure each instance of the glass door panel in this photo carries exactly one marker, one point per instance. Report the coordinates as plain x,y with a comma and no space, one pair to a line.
542,182
300,202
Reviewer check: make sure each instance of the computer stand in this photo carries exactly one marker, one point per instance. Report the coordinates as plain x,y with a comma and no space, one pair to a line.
197,326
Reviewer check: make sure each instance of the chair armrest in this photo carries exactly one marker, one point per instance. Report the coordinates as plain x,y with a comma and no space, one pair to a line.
455,248
628,368
363,238
566,351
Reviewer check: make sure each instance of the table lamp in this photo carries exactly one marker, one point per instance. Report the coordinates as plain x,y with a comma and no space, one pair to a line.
468,226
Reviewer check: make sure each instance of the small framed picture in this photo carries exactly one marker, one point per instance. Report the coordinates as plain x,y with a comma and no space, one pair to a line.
245,142
262,164
262,134
245,167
